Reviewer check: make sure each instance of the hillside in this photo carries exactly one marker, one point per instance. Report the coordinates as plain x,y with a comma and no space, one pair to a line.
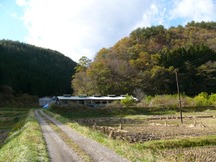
33,70
145,62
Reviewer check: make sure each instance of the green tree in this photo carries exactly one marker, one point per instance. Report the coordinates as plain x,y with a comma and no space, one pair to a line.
100,75
84,63
207,74
33,70
81,83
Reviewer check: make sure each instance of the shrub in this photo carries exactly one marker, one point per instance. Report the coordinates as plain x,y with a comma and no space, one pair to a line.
128,101
201,99
114,104
212,99
171,101
164,100
187,101
145,101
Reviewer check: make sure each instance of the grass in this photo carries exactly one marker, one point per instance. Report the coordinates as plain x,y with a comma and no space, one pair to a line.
26,143
182,143
82,112
192,154
11,119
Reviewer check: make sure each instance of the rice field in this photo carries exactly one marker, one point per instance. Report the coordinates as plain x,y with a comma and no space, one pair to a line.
164,135
148,134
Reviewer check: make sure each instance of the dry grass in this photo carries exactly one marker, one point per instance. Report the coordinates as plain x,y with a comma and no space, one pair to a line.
195,154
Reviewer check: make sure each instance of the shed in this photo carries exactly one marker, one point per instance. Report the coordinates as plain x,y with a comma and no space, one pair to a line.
44,100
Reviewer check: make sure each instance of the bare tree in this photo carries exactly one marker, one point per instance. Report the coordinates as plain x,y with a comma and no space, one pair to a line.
139,94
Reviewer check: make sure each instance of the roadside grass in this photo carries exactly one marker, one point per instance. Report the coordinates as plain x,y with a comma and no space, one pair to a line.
11,119
25,143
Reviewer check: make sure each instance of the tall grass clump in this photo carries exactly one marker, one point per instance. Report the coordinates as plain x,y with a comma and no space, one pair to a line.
164,101
128,101
25,144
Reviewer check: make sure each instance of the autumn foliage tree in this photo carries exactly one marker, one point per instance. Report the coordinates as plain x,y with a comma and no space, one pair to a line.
146,60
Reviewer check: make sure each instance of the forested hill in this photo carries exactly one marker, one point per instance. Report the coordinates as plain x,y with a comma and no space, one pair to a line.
33,70
146,60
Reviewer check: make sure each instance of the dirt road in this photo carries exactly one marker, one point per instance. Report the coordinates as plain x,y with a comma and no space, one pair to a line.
59,151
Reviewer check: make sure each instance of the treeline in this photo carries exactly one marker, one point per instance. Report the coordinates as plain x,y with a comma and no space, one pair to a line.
145,62
33,70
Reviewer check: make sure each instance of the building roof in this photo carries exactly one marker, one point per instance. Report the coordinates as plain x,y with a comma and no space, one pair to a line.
75,98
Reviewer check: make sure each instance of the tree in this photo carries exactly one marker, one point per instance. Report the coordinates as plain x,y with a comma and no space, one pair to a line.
84,63
34,70
100,76
81,83
146,59
207,74
139,93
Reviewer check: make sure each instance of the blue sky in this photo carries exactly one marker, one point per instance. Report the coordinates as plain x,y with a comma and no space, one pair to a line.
79,28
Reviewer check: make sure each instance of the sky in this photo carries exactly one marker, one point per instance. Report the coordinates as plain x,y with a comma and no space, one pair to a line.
79,28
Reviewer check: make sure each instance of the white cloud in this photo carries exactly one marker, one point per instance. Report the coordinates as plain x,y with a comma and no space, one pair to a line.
82,27
78,28
21,2
155,14
197,10
147,19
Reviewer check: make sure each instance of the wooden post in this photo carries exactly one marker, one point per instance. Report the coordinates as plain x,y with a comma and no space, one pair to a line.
179,97
94,126
111,134
120,126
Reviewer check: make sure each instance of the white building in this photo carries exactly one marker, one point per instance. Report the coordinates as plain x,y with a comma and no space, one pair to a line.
91,101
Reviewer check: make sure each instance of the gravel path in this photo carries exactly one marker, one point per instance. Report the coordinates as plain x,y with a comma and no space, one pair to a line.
98,152
58,150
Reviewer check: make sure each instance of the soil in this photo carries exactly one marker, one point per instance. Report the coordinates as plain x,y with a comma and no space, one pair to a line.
152,128
59,151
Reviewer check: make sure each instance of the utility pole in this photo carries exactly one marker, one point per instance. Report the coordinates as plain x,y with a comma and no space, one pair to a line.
179,97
